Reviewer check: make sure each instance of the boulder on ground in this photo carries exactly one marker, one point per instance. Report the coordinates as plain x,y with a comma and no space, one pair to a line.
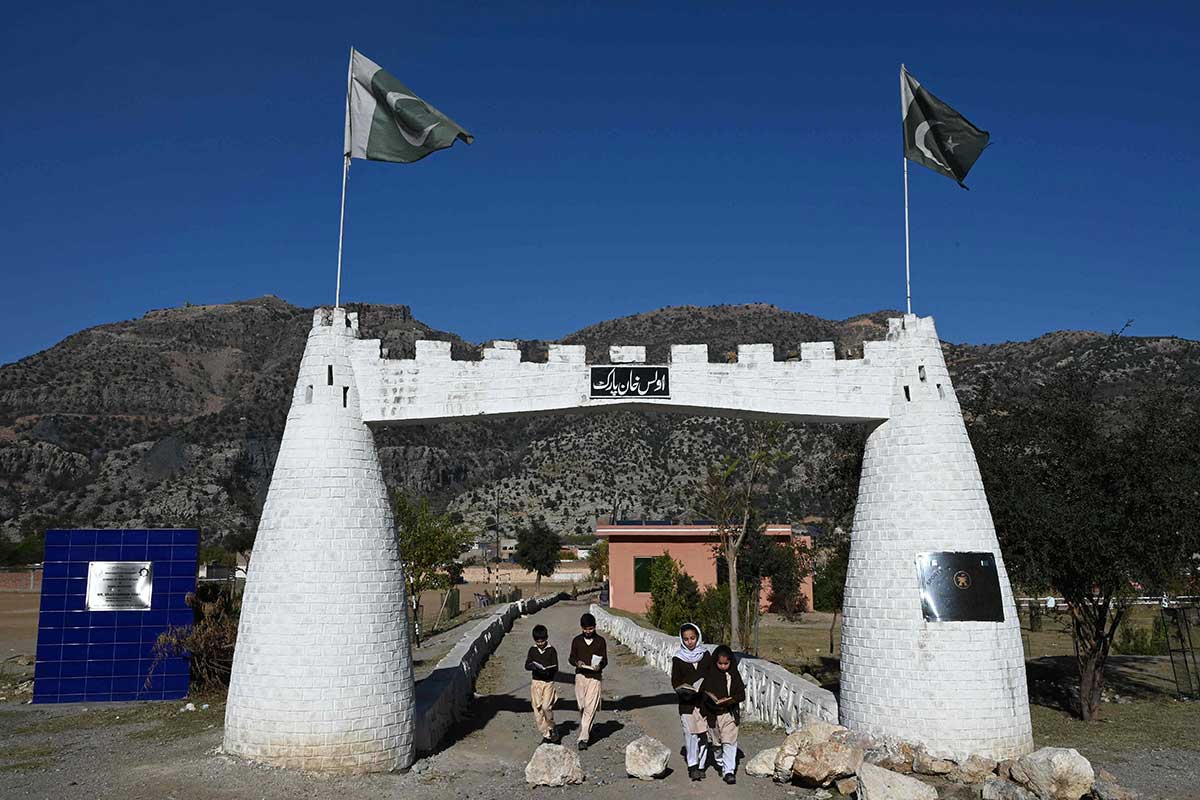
975,769
1055,773
646,758
926,764
822,763
810,734
1107,788
891,754
762,765
1000,789
553,765
846,786
877,783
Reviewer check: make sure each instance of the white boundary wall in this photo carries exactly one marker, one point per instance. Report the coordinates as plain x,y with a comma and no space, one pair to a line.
444,695
773,695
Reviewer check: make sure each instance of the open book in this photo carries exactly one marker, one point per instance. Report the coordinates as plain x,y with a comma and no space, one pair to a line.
687,690
539,666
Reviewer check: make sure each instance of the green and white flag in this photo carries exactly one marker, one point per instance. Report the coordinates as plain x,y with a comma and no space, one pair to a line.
935,135
386,121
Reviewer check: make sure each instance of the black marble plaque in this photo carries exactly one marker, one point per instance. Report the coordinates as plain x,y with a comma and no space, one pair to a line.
959,587
630,382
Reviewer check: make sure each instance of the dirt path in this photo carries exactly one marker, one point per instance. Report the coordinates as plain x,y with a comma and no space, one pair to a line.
637,701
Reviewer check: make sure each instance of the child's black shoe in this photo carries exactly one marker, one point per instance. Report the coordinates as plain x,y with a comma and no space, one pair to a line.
582,744
729,778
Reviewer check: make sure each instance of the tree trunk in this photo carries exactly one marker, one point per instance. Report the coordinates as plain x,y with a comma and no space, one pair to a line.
1094,631
537,584
734,628
832,628
1035,615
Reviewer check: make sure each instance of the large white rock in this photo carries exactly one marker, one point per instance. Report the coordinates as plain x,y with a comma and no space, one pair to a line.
1055,773
810,734
646,758
553,765
877,783
823,763
762,765
1000,789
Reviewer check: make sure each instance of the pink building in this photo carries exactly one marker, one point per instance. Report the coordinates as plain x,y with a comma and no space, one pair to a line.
632,546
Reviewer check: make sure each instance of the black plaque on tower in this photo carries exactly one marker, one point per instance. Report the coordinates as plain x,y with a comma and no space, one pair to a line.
959,587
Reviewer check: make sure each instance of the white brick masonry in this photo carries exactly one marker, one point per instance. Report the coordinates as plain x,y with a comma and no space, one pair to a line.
773,695
956,687
322,674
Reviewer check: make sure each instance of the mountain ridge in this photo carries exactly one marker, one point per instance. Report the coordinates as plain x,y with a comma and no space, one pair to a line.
174,418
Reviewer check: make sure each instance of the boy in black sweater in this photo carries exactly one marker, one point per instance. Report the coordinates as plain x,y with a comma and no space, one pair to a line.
542,661
589,657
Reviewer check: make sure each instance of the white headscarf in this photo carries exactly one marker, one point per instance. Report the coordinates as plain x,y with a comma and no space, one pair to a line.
694,655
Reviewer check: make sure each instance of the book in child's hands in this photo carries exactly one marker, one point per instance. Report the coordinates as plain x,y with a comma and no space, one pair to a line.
687,690
538,666
596,659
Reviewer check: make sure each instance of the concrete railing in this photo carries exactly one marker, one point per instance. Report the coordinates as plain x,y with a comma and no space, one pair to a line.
773,695
445,694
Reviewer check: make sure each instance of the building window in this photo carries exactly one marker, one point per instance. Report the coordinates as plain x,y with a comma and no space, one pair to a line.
641,574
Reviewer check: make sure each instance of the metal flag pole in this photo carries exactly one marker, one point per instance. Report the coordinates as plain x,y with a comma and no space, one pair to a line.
337,295
907,283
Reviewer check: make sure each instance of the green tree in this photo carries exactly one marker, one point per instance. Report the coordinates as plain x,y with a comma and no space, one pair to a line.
537,550
598,560
732,490
430,545
674,595
1096,503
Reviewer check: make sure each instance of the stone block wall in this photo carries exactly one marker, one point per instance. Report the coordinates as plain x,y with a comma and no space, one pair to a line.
773,695
444,695
956,687
322,674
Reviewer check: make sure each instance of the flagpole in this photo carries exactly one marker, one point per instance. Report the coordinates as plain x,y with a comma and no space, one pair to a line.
907,283
337,297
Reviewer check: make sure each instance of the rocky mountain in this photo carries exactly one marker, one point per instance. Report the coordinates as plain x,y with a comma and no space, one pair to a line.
174,419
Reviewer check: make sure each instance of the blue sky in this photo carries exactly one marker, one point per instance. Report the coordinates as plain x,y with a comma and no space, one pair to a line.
627,156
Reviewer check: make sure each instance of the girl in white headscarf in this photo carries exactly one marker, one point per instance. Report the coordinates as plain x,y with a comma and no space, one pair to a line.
688,667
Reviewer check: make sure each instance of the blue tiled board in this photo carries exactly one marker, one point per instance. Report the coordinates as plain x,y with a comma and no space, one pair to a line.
92,656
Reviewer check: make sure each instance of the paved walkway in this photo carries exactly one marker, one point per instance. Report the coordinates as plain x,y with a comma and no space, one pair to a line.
637,701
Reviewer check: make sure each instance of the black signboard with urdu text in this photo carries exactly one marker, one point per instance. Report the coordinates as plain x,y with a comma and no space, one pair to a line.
959,587
621,381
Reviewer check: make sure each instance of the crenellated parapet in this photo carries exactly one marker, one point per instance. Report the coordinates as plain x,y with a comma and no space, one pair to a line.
817,387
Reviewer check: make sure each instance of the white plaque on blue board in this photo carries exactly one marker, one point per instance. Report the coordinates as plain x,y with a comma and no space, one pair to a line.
120,585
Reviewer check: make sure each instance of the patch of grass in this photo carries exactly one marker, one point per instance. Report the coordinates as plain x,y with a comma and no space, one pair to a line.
81,721
1121,728
23,758
181,724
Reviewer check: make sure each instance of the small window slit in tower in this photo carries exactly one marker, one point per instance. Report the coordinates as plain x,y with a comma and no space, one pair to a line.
921,373
907,396
941,392
345,395
308,394
329,375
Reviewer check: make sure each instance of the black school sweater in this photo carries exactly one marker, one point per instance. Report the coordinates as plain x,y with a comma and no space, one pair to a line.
582,652
715,683
548,658
683,673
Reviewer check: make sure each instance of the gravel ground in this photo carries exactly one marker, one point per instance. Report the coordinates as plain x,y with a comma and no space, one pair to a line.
154,751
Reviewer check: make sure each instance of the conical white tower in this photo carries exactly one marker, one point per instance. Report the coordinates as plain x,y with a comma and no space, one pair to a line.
956,687
322,675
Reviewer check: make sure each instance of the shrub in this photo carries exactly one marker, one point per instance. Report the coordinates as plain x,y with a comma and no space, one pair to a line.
674,595
208,641
1134,640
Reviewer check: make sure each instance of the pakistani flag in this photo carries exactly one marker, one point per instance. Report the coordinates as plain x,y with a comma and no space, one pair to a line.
936,135
386,121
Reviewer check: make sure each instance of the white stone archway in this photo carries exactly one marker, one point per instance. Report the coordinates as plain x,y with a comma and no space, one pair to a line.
322,675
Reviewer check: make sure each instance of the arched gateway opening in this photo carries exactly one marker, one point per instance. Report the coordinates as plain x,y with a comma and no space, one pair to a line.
322,676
